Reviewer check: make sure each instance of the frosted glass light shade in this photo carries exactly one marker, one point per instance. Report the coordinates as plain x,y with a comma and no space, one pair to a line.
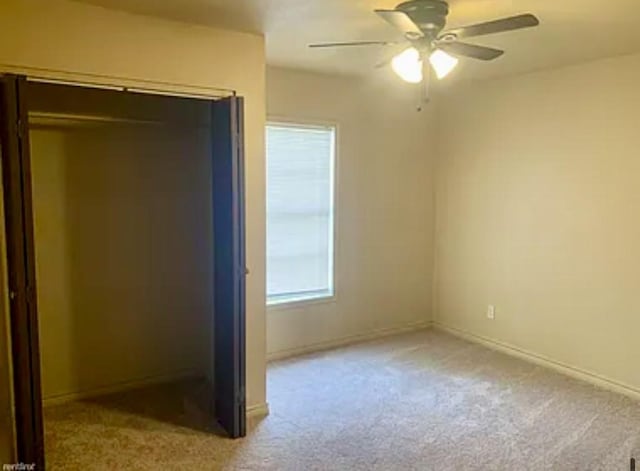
408,65
442,63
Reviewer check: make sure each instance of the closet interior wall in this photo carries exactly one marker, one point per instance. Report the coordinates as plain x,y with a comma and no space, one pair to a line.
123,238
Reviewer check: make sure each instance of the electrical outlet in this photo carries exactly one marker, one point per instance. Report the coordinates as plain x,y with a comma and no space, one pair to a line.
491,312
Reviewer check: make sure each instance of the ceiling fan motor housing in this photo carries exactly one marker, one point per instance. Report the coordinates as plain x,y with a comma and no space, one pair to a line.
429,15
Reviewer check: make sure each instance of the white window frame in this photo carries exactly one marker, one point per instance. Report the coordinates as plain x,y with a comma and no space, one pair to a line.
297,301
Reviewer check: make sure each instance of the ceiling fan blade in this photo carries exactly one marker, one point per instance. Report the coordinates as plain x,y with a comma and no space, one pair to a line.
401,21
498,26
353,43
470,50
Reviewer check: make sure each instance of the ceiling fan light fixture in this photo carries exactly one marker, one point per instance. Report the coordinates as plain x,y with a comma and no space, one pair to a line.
408,65
442,63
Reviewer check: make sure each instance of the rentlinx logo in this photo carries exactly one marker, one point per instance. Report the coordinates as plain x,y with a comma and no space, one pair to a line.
18,467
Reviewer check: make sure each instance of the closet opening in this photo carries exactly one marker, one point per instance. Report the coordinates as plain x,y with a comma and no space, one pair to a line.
124,225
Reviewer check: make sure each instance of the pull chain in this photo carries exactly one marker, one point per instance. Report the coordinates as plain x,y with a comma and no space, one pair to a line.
425,87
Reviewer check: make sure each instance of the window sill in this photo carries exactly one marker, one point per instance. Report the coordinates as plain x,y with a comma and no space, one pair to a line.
283,305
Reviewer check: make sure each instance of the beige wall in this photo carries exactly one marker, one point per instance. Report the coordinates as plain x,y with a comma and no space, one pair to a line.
67,37
123,231
383,203
6,404
537,213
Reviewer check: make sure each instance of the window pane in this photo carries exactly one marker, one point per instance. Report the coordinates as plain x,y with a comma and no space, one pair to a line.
299,212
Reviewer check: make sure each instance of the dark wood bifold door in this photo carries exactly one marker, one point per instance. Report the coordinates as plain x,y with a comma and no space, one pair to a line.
16,181
229,264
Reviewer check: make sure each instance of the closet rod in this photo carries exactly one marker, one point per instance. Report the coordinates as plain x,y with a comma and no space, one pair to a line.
97,86
97,119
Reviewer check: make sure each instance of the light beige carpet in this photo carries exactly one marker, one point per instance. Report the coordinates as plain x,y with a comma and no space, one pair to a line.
421,401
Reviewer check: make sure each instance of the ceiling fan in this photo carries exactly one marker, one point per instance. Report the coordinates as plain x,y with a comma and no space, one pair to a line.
422,23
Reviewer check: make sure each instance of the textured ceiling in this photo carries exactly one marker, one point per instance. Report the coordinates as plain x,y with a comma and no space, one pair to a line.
571,31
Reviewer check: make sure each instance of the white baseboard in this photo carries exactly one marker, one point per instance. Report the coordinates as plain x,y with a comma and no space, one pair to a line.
343,341
119,387
258,410
569,370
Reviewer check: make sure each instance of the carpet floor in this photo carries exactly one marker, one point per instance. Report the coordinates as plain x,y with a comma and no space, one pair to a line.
419,401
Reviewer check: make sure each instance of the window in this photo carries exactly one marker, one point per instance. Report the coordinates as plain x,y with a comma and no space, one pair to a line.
300,174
